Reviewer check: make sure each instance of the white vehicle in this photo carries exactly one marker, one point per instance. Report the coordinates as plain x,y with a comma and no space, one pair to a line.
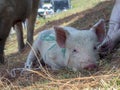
41,12
47,6
46,10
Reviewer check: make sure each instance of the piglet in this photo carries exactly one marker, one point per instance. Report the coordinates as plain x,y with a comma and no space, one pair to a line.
63,47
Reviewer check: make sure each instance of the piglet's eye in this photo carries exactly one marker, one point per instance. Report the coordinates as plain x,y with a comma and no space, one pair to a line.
94,47
74,51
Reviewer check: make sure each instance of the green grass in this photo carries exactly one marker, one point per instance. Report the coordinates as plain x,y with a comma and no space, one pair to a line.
77,6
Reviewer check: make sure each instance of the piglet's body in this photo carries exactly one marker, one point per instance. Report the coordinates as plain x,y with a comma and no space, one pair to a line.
68,47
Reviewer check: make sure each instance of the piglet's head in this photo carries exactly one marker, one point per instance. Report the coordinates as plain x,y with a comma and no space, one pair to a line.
81,45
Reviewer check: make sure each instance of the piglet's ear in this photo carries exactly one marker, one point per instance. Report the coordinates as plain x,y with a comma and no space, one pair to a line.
61,36
99,29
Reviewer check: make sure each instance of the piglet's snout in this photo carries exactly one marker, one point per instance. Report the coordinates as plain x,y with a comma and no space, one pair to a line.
90,67
89,63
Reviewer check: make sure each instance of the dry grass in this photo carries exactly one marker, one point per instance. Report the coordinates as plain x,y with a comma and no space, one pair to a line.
48,81
107,77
